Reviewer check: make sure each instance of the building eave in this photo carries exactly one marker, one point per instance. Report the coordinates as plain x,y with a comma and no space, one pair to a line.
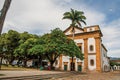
104,47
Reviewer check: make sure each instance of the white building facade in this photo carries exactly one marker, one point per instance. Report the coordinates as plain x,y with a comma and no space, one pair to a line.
89,41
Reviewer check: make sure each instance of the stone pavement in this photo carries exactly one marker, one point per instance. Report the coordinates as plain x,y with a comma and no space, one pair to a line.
58,75
95,76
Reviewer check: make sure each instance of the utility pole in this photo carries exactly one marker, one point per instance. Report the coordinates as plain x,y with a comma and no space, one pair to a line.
3,13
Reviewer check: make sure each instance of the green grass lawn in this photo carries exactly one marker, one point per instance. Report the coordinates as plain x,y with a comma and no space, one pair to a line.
9,67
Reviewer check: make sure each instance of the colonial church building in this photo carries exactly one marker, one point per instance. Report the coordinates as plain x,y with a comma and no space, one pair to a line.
88,39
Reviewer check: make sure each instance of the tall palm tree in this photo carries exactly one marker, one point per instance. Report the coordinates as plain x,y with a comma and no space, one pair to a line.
3,13
76,17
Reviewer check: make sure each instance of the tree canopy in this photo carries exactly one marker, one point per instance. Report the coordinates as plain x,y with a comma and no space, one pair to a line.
52,45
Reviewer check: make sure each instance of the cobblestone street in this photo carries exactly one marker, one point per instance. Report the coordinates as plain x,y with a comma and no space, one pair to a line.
58,75
95,76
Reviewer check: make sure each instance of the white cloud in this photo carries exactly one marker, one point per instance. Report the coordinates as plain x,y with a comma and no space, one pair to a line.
1,4
46,14
111,37
114,53
93,18
28,13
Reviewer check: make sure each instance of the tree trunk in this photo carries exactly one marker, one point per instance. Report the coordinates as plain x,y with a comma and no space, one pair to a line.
25,62
51,65
18,63
11,59
0,62
40,61
4,12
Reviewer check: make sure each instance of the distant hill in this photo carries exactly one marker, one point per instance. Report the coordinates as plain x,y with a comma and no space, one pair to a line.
114,58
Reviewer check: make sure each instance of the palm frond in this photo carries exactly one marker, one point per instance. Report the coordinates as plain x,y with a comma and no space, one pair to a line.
66,13
79,24
83,17
75,16
67,17
80,12
72,11
83,22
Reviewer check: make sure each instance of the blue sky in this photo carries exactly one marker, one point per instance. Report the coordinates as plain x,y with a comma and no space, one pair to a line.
108,7
41,16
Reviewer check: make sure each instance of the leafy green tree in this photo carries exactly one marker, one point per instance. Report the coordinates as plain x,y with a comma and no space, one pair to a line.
112,63
56,43
76,17
2,48
50,45
26,43
10,42
37,50
74,50
22,50
24,36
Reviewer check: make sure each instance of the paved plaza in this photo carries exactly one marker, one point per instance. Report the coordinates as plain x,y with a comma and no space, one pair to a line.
58,75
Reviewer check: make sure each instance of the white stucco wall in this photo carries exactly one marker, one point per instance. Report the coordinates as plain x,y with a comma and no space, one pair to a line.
66,59
78,31
93,57
105,61
91,41
78,60
57,65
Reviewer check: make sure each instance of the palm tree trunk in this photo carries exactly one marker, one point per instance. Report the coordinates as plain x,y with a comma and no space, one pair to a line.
4,12
72,64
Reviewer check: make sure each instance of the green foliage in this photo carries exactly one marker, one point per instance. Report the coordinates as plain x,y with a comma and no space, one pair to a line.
56,43
22,45
8,42
2,43
37,50
73,50
23,49
24,36
112,63
12,39
75,16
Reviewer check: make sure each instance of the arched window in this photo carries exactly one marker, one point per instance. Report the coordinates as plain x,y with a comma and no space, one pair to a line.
92,62
91,48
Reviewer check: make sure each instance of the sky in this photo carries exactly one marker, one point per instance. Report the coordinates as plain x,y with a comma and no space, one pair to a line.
41,16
